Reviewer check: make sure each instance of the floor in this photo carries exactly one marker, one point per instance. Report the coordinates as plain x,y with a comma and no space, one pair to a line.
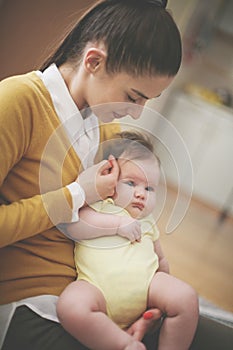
200,251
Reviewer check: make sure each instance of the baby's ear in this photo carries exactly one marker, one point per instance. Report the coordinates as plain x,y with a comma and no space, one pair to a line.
105,172
111,159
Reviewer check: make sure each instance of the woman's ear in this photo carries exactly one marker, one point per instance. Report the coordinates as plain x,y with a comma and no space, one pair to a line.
94,59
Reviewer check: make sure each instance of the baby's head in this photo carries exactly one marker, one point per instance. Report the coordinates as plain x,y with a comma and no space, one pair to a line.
139,173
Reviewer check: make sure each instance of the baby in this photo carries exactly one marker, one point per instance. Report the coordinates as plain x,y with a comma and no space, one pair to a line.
121,268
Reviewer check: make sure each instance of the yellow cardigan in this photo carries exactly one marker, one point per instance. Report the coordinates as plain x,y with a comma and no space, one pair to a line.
35,257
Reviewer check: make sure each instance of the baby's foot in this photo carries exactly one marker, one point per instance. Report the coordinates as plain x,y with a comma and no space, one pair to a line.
135,345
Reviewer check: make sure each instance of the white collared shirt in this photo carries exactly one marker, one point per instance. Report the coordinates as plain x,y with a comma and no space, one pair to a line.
83,133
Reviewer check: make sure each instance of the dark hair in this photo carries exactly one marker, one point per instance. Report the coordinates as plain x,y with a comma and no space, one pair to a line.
140,36
130,145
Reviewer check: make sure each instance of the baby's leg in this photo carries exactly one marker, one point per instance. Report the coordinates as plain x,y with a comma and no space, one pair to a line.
179,302
81,310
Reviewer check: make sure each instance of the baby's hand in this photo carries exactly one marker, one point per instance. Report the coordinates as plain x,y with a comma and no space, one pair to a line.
129,228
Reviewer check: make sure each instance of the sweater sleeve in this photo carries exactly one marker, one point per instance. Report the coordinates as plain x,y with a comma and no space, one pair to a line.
24,216
28,217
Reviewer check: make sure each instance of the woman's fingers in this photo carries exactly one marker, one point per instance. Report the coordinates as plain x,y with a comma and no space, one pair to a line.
149,321
152,315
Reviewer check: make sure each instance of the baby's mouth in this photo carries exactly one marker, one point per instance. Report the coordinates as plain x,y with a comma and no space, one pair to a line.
138,205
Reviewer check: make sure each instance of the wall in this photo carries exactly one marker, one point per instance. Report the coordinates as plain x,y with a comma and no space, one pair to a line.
29,28
206,128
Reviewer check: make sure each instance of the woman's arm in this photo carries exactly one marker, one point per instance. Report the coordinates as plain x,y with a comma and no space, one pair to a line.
24,211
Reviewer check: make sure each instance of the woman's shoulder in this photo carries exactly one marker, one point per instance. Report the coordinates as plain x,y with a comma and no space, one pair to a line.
21,83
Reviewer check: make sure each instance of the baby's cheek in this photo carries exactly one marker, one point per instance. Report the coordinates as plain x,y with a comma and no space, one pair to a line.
151,203
123,197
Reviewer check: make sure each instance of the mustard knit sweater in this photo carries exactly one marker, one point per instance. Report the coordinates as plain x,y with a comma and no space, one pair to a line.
35,257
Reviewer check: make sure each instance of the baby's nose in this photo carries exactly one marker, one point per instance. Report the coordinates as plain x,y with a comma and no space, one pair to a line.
140,192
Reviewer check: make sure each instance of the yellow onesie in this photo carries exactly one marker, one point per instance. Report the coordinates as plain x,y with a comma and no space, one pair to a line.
120,269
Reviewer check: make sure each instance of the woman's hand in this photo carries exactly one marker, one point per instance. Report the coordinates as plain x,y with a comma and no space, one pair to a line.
149,321
99,181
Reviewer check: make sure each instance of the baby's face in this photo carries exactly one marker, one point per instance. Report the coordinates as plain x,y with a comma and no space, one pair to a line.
137,185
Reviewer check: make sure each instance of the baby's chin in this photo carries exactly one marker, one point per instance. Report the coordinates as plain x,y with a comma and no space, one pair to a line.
136,213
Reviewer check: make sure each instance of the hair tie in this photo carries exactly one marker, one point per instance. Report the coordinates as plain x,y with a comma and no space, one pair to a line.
160,3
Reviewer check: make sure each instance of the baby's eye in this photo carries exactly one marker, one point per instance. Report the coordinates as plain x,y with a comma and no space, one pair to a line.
130,183
150,189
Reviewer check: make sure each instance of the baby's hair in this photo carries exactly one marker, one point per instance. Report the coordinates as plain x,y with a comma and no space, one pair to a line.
140,36
131,145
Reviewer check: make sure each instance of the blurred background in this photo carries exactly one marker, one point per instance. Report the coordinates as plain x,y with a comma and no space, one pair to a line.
199,103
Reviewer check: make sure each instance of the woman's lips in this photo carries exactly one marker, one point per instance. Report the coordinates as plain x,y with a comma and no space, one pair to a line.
117,116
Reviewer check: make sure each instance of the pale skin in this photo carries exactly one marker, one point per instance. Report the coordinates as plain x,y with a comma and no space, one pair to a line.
82,307
90,85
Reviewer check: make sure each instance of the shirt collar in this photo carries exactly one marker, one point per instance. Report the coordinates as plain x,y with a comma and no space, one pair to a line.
62,100
78,129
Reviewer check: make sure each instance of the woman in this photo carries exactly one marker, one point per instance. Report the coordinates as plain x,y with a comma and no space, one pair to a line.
119,55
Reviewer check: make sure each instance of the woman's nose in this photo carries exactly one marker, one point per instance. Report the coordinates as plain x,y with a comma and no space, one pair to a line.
135,111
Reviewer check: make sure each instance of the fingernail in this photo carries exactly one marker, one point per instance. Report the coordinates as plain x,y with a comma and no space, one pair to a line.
147,315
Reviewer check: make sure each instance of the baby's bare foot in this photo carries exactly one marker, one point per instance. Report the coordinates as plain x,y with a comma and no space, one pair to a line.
135,345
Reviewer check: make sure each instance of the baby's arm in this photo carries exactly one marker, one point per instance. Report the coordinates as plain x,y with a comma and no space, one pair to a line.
93,224
163,263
